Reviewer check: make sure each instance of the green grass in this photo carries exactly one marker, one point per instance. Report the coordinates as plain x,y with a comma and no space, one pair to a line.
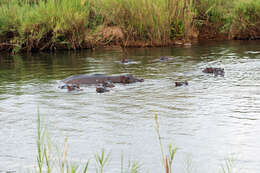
49,24
36,25
45,25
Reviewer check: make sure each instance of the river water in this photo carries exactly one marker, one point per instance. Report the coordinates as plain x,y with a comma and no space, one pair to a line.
210,121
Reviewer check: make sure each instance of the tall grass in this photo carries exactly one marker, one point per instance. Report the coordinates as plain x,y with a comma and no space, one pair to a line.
148,19
50,24
35,25
45,24
246,19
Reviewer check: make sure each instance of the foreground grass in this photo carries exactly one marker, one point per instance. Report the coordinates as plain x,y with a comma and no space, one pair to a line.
36,25
52,158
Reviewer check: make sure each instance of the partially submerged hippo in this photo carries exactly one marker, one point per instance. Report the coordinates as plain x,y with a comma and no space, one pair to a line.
99,78
108,84
71,87
164,58
125,61
181,83
215,71
101,88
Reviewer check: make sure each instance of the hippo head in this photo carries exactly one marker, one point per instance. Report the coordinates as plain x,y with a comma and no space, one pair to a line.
164,58
215,71
71,87
128,78
101,88
125,60
181,83
208,70
108,83
219,71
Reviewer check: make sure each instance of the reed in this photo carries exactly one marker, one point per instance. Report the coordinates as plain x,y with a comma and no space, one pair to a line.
53,160
51,24
44,25
245,19
36,25
148,19
167,159
101,161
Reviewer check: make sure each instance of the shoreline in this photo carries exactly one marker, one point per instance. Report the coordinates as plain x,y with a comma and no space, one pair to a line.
120,43
40,25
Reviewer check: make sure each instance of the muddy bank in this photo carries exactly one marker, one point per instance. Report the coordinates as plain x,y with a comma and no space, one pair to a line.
116,37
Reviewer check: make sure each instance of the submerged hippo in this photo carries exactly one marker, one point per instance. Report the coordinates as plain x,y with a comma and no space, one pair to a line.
181,83
125,61
215,71
164,58
99,78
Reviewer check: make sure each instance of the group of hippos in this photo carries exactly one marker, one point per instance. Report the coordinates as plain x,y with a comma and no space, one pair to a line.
103,82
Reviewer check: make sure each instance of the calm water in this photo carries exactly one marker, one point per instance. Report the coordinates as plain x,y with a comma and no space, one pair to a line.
211,120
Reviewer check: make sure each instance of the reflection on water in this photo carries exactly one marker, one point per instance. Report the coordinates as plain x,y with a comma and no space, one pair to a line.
212,119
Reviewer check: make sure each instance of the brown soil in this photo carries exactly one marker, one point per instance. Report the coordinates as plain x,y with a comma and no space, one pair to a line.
114,36
252,33
210,32
109,37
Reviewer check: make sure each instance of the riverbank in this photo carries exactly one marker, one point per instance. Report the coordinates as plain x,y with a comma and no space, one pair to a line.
38,25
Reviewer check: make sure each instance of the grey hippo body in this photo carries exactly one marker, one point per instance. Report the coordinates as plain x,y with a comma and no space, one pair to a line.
99,78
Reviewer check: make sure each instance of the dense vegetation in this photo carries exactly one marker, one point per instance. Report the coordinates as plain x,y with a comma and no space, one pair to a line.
35,25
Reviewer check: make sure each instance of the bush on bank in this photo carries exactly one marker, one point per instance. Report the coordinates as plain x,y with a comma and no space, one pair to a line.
35,25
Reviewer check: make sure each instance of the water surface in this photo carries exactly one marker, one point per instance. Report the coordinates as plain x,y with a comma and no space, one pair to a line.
211,120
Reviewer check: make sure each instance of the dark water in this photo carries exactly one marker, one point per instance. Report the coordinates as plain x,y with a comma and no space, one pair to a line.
211,121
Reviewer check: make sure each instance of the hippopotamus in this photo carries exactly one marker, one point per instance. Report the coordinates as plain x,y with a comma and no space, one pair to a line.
125,61
101,88
181,83
215,71
164,58
108,84
99,78
71,87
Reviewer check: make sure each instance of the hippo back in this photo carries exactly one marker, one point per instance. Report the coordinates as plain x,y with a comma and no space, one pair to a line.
99,78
